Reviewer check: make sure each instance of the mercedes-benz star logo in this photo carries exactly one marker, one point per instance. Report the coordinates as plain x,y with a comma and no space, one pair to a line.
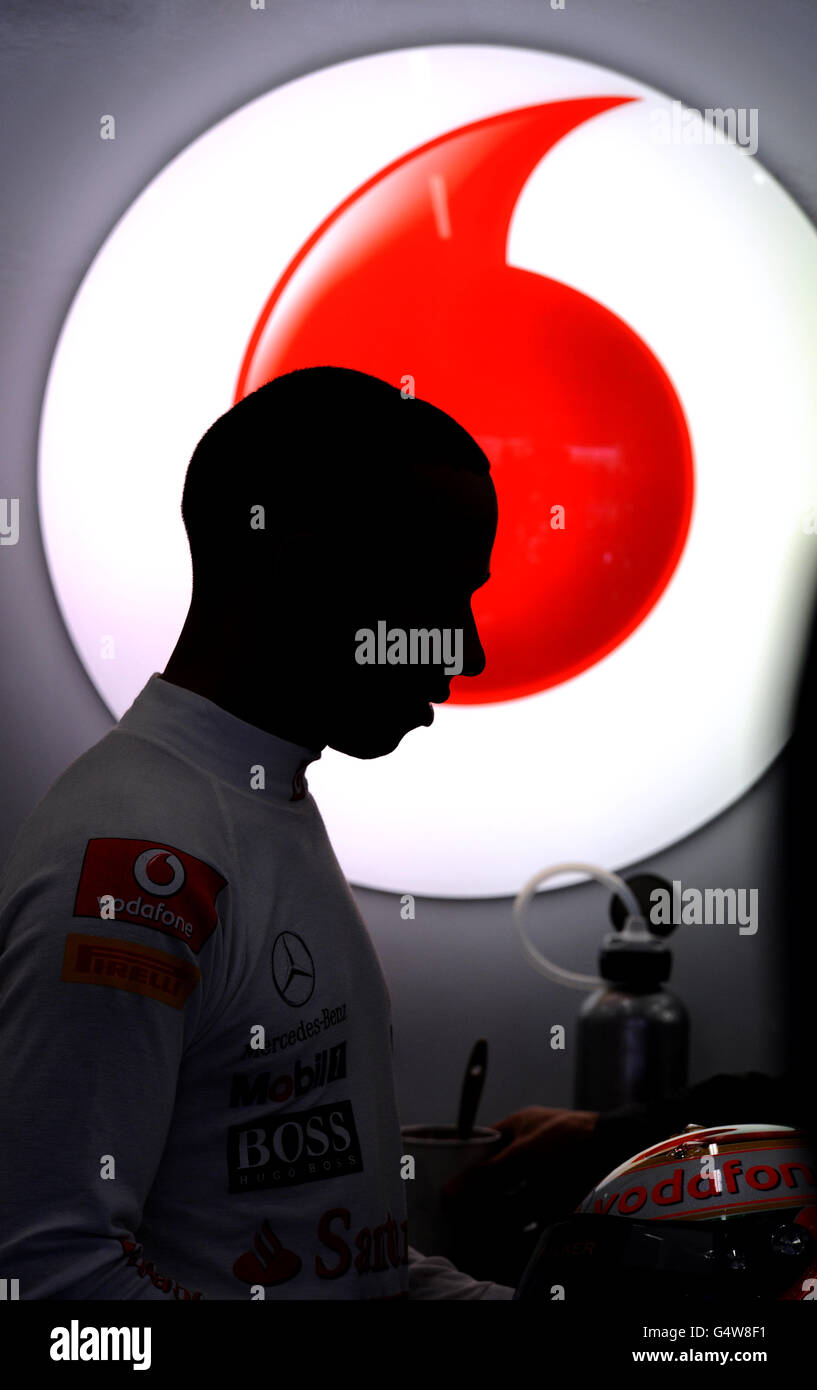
293,969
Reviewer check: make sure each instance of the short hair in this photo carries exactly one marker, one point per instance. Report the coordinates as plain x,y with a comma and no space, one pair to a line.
338,447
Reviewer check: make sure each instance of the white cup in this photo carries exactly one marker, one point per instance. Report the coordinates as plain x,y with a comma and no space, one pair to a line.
438,1156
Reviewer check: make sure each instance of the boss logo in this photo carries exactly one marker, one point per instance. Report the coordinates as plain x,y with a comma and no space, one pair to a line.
286,1150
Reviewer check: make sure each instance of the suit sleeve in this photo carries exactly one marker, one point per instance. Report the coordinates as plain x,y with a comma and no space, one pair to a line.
434,1277
93,1024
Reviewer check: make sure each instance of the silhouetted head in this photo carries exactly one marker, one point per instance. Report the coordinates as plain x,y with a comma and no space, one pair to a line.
321,508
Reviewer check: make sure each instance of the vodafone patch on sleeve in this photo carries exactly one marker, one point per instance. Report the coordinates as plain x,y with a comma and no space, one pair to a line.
151,885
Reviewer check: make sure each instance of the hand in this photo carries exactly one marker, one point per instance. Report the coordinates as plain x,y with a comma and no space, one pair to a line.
538,1135
540,1132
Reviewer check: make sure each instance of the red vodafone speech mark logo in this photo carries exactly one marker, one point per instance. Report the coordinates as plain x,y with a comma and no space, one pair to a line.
159,872
409,276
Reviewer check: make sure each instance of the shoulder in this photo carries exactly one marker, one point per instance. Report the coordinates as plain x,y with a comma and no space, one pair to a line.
126,820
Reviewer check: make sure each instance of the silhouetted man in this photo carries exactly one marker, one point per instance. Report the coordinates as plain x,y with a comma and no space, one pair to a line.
194,1023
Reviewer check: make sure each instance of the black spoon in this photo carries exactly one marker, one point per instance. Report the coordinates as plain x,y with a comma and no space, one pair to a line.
472,1088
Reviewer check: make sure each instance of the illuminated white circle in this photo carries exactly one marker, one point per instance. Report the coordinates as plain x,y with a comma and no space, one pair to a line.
694,245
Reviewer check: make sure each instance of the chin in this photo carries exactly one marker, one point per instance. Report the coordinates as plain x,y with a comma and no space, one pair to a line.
367,744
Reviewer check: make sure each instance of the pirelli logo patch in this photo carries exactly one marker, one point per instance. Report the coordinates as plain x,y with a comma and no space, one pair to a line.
106,960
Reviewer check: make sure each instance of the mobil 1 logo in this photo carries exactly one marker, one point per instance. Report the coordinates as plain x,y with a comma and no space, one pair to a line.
329,1065
284,1150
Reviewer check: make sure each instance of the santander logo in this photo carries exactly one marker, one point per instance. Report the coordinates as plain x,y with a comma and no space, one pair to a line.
619,320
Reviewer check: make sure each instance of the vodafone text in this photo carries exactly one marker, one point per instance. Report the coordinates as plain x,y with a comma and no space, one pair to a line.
728,1187
102,1344
156,913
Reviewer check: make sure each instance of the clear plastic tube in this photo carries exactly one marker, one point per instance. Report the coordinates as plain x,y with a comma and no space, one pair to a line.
634,927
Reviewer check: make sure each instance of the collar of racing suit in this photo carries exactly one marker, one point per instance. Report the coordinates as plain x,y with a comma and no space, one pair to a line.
195,728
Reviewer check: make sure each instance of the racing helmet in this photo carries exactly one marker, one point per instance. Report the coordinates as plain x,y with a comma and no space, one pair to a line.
720,1214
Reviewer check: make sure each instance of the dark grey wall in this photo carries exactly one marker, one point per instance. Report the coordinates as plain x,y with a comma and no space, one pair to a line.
168,69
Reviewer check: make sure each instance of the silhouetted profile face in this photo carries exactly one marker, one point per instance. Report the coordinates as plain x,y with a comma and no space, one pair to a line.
390,599
379,516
